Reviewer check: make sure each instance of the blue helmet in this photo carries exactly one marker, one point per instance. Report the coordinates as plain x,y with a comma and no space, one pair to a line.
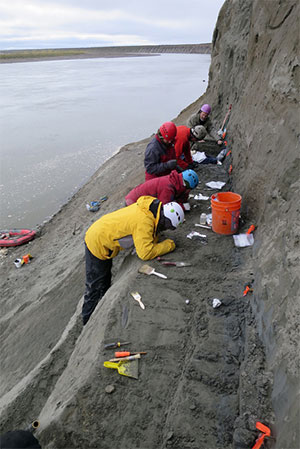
191,178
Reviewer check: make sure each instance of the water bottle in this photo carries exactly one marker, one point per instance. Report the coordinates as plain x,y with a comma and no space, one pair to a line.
203,219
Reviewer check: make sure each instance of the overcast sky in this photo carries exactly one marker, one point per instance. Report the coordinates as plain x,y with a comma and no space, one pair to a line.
89,23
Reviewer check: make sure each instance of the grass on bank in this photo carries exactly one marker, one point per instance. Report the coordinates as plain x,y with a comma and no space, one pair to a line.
7,55
25,54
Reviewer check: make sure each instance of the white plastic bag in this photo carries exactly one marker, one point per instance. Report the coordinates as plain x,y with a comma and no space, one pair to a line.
215,184
242,240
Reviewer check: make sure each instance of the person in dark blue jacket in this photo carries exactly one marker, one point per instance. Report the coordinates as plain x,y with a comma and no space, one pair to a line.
160,157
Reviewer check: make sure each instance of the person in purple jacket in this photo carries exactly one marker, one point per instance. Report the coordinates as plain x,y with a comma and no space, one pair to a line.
172,187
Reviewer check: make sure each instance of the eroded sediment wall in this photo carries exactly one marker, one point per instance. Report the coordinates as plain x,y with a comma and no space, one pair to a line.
255,68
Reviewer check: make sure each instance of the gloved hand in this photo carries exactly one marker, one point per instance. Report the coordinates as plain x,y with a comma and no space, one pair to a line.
171,245
171,164
193,165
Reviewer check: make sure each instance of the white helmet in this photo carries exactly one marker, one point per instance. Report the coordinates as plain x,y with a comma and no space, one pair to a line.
174,212
199,132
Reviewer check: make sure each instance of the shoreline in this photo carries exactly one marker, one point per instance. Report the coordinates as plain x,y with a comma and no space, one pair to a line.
31,55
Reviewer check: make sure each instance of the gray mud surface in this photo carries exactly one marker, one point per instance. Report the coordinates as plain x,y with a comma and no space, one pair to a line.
200,384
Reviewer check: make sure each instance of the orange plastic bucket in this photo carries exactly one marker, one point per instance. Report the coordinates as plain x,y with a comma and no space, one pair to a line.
225,208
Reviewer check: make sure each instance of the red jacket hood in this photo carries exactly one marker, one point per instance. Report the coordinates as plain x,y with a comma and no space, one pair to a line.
177,181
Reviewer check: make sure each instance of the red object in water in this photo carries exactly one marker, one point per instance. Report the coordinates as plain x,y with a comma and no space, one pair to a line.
230,170
16,237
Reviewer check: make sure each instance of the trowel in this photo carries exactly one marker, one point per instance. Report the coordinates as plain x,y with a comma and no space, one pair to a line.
125,368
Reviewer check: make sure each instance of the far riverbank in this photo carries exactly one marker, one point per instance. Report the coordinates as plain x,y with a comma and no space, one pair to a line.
29,55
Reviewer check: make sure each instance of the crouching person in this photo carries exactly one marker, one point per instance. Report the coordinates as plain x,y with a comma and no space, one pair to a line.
172,187
160,157
137,225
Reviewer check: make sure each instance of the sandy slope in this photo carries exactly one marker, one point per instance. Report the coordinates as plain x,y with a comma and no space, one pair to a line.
196,367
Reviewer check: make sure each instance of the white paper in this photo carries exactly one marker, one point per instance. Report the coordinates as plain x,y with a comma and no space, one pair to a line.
201,197
195,233
215,184
199,156
216,303
242,240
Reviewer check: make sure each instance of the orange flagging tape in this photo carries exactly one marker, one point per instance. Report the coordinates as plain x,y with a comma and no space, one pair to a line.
247,290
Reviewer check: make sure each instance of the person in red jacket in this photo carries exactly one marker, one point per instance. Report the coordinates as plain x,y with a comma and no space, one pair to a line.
172,187
184,137
160,158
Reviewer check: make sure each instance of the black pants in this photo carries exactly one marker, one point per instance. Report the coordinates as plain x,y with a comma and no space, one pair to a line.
209,160
98,281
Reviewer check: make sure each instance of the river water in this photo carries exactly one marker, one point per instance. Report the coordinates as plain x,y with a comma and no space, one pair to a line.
61,120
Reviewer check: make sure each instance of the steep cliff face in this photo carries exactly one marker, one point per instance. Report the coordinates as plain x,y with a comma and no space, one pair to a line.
255,68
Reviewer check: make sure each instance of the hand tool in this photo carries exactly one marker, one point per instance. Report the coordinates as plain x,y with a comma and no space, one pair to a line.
33,426
125,368
127,353
124,316
116,345
202,226
251,229
174,264
266,433
130,357
138,298
222,130
247,290
146,269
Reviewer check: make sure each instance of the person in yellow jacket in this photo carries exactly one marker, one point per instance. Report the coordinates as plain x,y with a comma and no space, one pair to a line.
137,225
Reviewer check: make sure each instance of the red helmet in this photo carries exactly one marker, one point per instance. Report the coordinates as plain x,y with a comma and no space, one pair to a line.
168,131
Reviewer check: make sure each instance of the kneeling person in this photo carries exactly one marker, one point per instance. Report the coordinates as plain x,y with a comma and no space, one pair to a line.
136,225
172,187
